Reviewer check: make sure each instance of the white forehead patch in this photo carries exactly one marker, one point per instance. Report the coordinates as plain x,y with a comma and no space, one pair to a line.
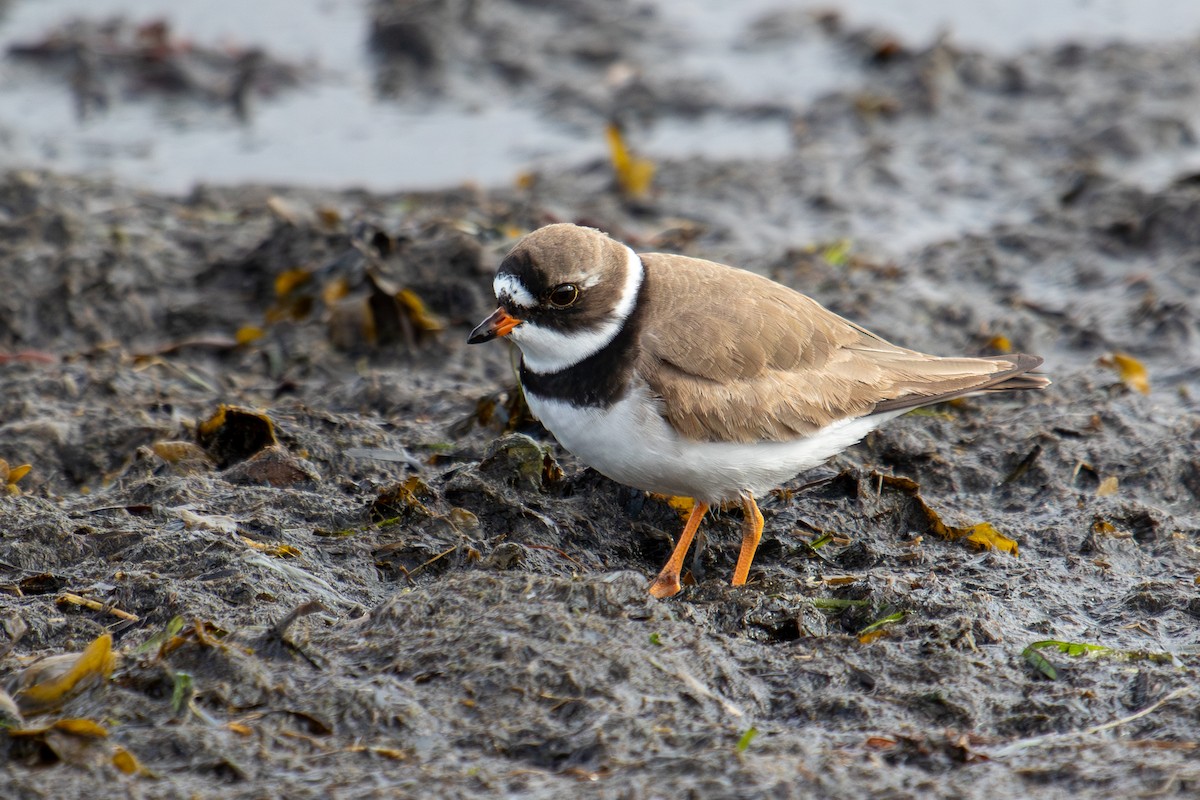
511,285
546,350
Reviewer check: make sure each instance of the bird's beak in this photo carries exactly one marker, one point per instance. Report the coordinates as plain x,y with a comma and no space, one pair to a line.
498,324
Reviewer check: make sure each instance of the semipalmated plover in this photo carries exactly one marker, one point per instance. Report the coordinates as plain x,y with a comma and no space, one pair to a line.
690,378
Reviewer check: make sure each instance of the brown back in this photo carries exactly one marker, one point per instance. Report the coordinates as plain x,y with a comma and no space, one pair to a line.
737,357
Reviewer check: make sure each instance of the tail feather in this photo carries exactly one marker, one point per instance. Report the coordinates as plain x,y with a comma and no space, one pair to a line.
1016,377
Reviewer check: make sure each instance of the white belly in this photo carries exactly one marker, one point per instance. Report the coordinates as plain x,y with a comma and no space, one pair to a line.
632,444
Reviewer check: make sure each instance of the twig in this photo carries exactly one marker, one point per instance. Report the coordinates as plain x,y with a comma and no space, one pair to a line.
1055,738
699,688
96,605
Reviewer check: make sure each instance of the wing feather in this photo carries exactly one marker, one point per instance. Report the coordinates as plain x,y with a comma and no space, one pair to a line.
736,357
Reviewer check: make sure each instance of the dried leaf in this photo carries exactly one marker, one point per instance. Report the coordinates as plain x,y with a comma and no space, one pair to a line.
85,728
403,500
1131,372
1102,527
329,217
335,290
289,280
418,314
987,537
277,550
682,505
92,666
1108,486
125,761
177,452
1000,344
386,752
982,534
248,334
634,175
10,475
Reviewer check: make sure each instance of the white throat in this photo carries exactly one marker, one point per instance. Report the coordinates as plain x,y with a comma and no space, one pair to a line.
547,351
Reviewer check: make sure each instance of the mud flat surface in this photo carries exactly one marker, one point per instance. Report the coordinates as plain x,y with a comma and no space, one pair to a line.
264,461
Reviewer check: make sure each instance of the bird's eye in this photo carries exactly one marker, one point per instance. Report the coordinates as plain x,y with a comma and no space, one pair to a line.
565,294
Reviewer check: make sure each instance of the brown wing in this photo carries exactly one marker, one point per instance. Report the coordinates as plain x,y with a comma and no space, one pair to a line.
737,357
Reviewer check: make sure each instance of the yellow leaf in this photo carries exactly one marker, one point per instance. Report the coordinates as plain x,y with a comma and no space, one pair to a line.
1131,372
248,334
277,550
9,477
94,664
871,636
175,452
386,752
683,505
1108,486
634,175
289,280
1000,344
417,312
124,760
981,534
85,728
985,536
329,217
837,253
335,290
239,728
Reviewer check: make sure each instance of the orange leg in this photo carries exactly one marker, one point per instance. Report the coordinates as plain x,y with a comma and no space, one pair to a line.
752,529
667,582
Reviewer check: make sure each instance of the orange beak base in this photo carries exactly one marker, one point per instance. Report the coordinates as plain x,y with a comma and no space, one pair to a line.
498,324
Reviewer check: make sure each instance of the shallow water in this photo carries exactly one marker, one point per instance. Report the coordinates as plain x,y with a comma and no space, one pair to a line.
336,133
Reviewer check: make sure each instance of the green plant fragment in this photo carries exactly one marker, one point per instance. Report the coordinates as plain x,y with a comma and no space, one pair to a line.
746,739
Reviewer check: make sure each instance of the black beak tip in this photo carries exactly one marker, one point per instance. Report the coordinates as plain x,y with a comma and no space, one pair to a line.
480,335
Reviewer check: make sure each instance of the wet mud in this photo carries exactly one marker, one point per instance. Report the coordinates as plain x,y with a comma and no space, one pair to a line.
337,559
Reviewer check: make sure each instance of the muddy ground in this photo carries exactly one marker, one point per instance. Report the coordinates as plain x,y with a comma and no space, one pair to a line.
375,594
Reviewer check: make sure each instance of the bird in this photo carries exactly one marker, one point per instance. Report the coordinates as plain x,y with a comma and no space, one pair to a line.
689,378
